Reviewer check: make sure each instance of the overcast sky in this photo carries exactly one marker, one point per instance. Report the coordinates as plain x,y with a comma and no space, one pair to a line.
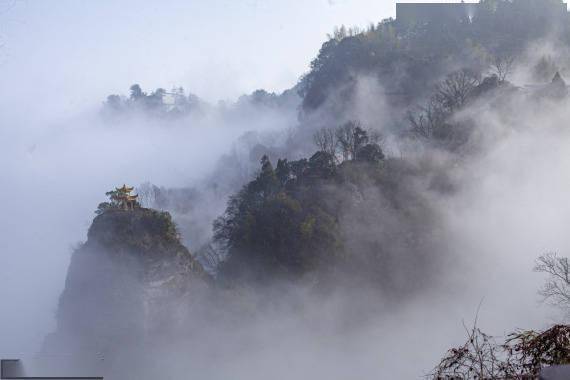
74,52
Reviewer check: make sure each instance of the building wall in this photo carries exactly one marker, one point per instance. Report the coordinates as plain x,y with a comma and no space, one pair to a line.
410,13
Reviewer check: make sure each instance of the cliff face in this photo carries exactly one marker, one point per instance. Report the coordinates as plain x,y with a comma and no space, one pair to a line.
132,280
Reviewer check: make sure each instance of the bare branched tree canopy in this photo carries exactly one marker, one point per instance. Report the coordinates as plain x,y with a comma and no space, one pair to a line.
556,290
350,141
345,138
523,355
479,358
454,91
433,120
427,120
502,65
325,140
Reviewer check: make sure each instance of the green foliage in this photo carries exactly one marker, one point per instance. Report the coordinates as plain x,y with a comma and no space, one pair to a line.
406,58
159,103
320,218
277,225
137,93
370,153
143,229
286,222
103,206
116,202
349,141
344,54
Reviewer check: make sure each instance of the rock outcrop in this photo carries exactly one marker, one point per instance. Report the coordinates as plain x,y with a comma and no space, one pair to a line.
130,282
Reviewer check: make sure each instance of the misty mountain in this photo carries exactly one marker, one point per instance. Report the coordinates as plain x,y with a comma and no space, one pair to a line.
407,58
369,193
131,279
421,77
175,105
361,220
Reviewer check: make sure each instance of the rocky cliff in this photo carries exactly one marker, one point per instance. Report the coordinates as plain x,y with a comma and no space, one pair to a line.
130,282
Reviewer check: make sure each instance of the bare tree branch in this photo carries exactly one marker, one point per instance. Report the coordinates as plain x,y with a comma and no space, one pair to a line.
325,140
502,65
556,290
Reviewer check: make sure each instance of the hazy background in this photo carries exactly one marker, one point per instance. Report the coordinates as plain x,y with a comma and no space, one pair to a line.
76,52
58,62
60,59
